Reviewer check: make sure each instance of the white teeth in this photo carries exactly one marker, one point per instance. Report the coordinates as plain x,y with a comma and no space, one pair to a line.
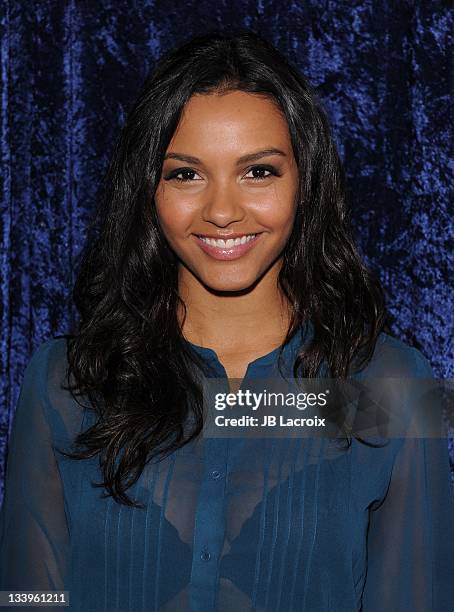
223,244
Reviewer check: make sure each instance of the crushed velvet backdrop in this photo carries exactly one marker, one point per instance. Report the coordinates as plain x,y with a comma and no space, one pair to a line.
69,70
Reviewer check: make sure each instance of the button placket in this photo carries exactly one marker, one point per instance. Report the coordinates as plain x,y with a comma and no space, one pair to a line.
209,526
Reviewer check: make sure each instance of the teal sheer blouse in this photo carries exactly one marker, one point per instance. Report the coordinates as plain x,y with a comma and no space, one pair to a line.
229,525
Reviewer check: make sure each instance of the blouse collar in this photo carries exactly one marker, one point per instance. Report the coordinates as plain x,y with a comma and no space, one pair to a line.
289,351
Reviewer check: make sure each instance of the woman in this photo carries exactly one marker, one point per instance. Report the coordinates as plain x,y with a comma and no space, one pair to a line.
226,142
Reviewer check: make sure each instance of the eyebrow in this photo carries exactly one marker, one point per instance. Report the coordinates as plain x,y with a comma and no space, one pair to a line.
249,157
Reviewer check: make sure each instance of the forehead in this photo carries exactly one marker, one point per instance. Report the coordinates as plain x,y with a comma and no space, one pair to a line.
234,121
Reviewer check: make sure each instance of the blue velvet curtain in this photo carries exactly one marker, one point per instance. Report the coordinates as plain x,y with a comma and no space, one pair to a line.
70,68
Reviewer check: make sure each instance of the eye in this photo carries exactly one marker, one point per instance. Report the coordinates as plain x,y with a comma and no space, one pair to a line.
259,173
187,175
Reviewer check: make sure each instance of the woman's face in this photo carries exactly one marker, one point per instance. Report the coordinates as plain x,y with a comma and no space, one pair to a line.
229,175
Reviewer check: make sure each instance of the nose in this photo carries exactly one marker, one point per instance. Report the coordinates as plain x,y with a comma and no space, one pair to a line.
223,205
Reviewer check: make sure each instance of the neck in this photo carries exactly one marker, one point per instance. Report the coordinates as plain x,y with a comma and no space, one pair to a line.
226,320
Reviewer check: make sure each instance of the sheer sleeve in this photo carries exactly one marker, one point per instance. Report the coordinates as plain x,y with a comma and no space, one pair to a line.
34,535
410,540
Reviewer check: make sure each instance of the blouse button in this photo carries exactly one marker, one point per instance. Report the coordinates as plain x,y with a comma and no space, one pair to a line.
205,556
215,474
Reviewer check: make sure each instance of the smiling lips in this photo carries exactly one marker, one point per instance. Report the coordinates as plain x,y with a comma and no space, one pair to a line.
229,248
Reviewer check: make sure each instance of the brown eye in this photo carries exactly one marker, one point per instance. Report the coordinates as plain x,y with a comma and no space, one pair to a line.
260,173
183,175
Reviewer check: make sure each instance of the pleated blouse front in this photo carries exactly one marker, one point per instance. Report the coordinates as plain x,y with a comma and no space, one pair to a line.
229,525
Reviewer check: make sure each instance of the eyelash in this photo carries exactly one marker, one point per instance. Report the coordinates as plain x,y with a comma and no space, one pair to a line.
271,169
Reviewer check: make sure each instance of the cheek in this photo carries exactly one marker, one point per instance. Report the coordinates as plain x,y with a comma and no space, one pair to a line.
277,210
174,213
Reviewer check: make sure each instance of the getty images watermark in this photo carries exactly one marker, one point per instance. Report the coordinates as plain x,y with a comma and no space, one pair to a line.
266,399
327,407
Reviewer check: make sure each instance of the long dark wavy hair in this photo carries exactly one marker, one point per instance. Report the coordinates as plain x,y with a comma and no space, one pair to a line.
128,355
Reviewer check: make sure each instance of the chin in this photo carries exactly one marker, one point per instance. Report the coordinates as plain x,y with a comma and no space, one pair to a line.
233,283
